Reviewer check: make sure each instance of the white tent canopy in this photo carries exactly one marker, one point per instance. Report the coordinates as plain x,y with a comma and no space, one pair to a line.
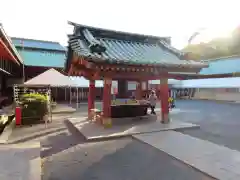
52,78
84,83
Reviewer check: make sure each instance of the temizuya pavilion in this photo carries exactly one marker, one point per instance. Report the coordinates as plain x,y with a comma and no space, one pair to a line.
101,54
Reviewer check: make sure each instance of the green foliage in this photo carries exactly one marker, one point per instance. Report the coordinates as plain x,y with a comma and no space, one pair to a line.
216,48
34,107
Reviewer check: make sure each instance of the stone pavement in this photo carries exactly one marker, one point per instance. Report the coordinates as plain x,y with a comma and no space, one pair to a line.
148,124
20,162
217,161
121,159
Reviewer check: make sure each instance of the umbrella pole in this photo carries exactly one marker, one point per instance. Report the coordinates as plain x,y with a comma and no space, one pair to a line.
70,95
56,93
77,97
65,95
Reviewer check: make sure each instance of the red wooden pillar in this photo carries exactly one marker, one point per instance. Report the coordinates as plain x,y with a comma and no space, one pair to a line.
91,95
139,90
164,99
107,98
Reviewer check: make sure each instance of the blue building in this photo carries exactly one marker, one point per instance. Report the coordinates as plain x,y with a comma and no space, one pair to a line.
227,66
221,72
38,55
223,82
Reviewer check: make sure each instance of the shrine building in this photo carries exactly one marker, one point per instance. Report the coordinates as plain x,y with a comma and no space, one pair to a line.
101,54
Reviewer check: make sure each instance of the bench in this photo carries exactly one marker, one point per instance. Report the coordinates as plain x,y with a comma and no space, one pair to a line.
95,115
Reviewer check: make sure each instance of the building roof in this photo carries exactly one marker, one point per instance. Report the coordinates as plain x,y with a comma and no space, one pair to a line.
114,47
37,44
223,65
10,46
43,58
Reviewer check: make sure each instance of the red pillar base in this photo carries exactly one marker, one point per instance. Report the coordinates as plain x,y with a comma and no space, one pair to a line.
91,97
164,100
107,103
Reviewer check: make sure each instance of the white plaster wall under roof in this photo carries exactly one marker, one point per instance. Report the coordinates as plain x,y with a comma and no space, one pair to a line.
231,82
82,82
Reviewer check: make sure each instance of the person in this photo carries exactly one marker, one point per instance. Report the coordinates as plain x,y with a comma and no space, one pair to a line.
152,100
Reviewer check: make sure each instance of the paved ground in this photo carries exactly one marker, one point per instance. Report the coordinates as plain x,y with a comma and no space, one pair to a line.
20,162
67,156
124,159
217,161
219,122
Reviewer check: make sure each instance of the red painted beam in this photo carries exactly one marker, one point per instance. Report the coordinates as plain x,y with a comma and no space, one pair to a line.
10,55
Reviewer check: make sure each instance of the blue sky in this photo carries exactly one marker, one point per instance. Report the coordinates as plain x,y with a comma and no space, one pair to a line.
47,19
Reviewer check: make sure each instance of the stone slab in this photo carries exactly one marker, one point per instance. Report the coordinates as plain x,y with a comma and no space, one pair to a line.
217,161
93,131
4,136
20,162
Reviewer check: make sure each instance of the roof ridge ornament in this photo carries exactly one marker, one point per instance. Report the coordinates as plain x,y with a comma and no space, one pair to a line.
95,45
171,48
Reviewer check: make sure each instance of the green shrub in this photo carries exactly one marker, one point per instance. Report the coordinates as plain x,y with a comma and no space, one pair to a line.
34,107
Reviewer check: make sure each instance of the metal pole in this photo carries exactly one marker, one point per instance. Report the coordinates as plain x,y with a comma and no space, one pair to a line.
56,94
23,69
77,98
65,95
82,94
70,96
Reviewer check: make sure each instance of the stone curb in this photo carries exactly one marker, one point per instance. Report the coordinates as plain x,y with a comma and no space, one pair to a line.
7,132
216,100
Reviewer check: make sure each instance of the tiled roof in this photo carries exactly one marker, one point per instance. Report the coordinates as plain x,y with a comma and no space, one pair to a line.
43,58
222,66
37,44
137,50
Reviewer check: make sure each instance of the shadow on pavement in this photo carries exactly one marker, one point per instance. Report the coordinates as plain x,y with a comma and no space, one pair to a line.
35,136
118,159
60,142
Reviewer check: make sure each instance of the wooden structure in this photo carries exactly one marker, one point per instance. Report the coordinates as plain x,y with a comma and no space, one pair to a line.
111,55
11,64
